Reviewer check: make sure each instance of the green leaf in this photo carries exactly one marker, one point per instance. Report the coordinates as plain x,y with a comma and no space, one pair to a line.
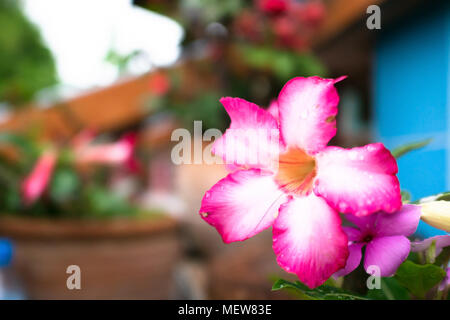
402,150
323,292
419,279
390,290
443,196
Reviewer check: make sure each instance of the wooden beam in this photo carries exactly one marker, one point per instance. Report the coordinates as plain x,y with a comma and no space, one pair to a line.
341,14
103,109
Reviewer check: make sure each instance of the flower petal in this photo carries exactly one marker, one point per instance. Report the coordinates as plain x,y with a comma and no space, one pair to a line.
441,242
308,240
446,282
273,109
242,204
402,222
252,140
353,234
307,109
354,258
387,253
34,185
360,180
364,223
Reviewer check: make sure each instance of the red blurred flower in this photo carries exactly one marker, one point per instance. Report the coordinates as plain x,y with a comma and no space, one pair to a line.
36,182
284,27
159,83
272,6
248,25
288,33
311,13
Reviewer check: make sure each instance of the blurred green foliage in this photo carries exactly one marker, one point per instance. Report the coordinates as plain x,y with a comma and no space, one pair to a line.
323,292
26,64
205,107
284,64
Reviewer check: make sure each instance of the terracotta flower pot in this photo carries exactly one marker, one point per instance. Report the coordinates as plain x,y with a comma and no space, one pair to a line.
118,259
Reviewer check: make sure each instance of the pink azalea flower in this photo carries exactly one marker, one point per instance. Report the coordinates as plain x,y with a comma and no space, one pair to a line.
36,182
301,189
117,153
385,238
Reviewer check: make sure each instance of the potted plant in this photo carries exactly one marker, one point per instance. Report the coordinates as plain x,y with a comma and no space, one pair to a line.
63,205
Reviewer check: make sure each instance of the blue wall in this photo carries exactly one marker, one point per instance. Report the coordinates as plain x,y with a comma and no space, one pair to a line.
411,98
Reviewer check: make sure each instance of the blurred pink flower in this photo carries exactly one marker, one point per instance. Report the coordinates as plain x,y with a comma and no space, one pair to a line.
385,238
36,182
117,153
297,184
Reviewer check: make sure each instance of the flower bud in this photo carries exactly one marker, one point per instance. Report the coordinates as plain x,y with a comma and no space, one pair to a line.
437,214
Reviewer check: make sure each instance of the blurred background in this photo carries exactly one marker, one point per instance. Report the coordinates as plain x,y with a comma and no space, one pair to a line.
91,91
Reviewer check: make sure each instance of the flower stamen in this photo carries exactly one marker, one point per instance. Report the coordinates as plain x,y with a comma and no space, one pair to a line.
296,172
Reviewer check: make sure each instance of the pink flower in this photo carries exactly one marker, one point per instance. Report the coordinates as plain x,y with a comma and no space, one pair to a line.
117,153
36,182
440,242
296,183
385,238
